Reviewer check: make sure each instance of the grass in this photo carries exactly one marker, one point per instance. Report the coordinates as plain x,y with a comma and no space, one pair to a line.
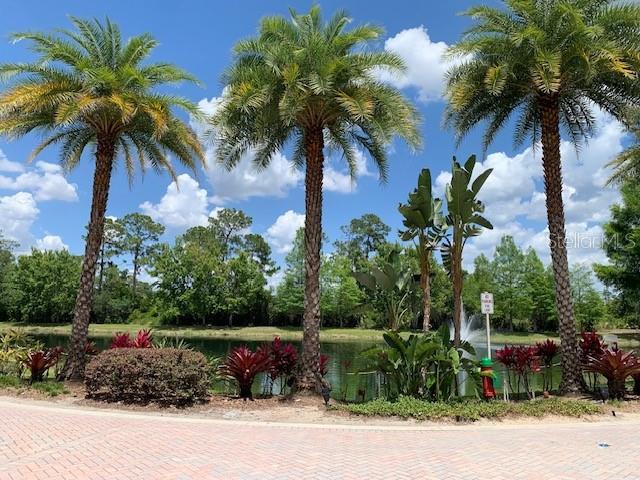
628,338
471,410
50,388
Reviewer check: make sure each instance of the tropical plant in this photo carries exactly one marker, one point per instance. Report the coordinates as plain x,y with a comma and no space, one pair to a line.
464,216
88,87
547,63
546,351
591,345
522,362
394,282
243,365
284,358
615,366
424,365
424,221
14,344
626,166
311,82
324,365
40,361
143,339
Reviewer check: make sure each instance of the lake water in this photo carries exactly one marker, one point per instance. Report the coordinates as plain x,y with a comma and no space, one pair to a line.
344,361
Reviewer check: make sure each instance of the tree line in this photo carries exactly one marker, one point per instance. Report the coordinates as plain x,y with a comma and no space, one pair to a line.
218,274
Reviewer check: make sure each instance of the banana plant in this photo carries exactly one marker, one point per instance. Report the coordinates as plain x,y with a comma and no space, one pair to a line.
427,227
393,280
464,217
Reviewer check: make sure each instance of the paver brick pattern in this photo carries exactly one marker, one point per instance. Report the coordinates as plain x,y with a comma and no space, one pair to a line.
40,442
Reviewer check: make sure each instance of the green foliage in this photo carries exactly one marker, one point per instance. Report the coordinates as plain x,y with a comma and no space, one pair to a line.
363,236
421,366
409,407
14,345
622,246
50,388
142,375
43,287
626,165
590,309
394,283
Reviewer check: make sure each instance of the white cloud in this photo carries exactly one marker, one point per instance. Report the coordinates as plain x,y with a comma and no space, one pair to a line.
245,180
425,62
46,181
51,242
184,204
340,181
7,165
282,233
17,214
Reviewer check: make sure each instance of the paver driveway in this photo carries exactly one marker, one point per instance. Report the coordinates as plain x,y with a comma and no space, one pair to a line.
46,442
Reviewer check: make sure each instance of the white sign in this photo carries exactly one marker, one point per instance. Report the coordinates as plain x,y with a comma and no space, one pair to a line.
486,302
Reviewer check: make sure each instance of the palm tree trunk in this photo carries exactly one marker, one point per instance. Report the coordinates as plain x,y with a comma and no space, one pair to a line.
551,162
309,375
82,312
425,270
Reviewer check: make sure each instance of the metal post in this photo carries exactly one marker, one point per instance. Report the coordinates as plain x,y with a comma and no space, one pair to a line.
488,338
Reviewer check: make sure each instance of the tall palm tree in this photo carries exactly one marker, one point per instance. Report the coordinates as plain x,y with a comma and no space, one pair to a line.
627,165
89,89
314,84
547,63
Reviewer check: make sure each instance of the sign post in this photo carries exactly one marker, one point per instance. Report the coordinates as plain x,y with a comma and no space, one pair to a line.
486,303
486,366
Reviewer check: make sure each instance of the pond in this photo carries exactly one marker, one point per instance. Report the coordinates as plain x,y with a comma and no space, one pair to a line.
344,362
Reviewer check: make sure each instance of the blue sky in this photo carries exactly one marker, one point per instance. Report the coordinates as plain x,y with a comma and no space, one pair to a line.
42,208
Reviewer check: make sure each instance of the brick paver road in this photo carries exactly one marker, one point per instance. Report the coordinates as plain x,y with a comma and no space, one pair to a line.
47,442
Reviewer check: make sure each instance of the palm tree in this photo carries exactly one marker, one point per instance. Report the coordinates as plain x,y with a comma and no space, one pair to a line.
627,165
314,84
89,89
547,63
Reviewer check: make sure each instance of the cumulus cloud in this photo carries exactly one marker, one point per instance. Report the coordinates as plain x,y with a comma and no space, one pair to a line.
426,65
7,165
17,214
183,205
46,181
51,243
339,180
245,180
282,233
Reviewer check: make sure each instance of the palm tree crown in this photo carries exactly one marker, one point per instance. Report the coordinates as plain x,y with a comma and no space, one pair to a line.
585,53
89,86
302,74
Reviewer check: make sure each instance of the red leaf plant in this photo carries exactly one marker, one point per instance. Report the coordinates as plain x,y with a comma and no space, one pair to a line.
39,361
324,364
143,339
615,366
243,365
284,357
546,352
522,363
591,345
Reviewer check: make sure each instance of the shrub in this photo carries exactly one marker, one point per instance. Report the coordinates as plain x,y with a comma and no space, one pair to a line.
14,344
243,365
409,407
40,361
591,345
615,366
141,375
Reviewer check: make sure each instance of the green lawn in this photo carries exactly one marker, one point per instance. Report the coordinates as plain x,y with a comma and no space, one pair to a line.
628,338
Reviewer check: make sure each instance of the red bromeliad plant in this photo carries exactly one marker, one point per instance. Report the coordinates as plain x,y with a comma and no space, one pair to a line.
143,339
39,361
324,365
284,357
522,363
243,365
546,352
615,366
591,345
